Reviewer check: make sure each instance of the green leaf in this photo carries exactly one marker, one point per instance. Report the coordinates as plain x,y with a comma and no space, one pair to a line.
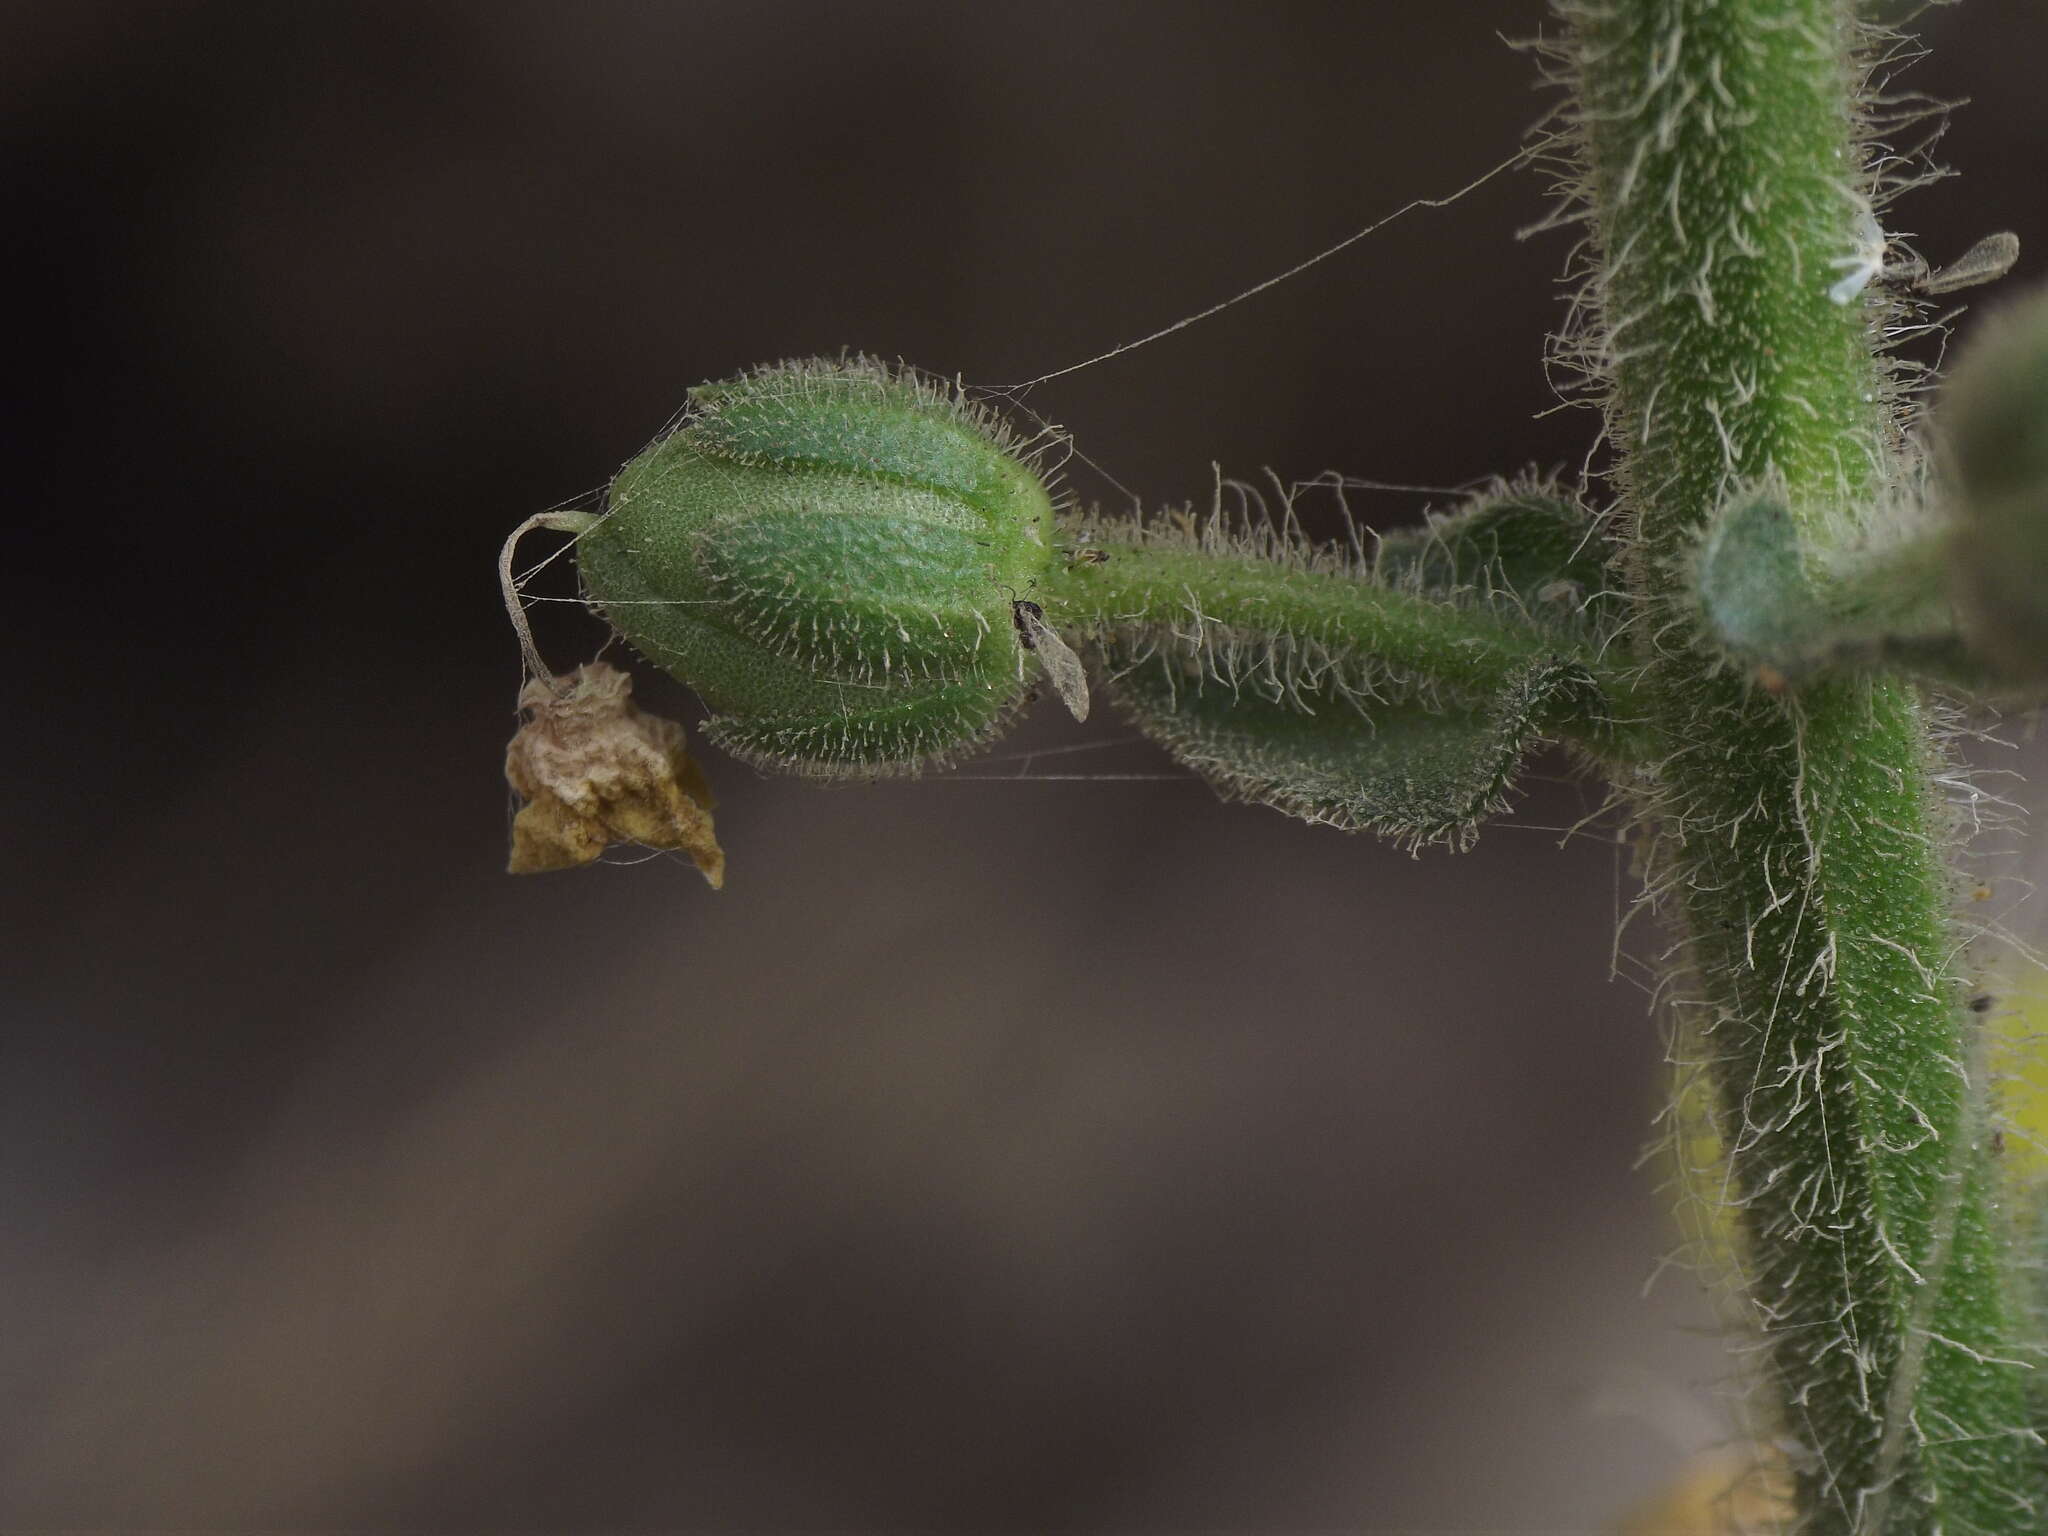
1419,770
1525,547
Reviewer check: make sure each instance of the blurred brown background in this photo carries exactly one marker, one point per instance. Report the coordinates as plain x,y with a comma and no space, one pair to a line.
1002,1153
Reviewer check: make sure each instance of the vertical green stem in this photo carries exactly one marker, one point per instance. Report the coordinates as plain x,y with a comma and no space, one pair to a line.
1801,839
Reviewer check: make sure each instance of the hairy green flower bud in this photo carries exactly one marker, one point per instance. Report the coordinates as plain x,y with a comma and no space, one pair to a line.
833,554
1996,421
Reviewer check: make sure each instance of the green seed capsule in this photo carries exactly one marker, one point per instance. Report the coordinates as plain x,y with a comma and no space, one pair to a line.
1995,417
1995,410
828,552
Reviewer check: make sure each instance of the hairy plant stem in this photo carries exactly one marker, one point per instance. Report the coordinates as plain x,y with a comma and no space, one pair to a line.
1459,648
1800,837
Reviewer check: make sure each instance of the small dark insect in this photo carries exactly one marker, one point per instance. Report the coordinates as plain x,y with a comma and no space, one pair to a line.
1088,557
1981,1003
1022,611
1997,1143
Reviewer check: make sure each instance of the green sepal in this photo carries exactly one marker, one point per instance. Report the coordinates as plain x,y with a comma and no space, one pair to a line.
1421,771
862,418
861,599
871,734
